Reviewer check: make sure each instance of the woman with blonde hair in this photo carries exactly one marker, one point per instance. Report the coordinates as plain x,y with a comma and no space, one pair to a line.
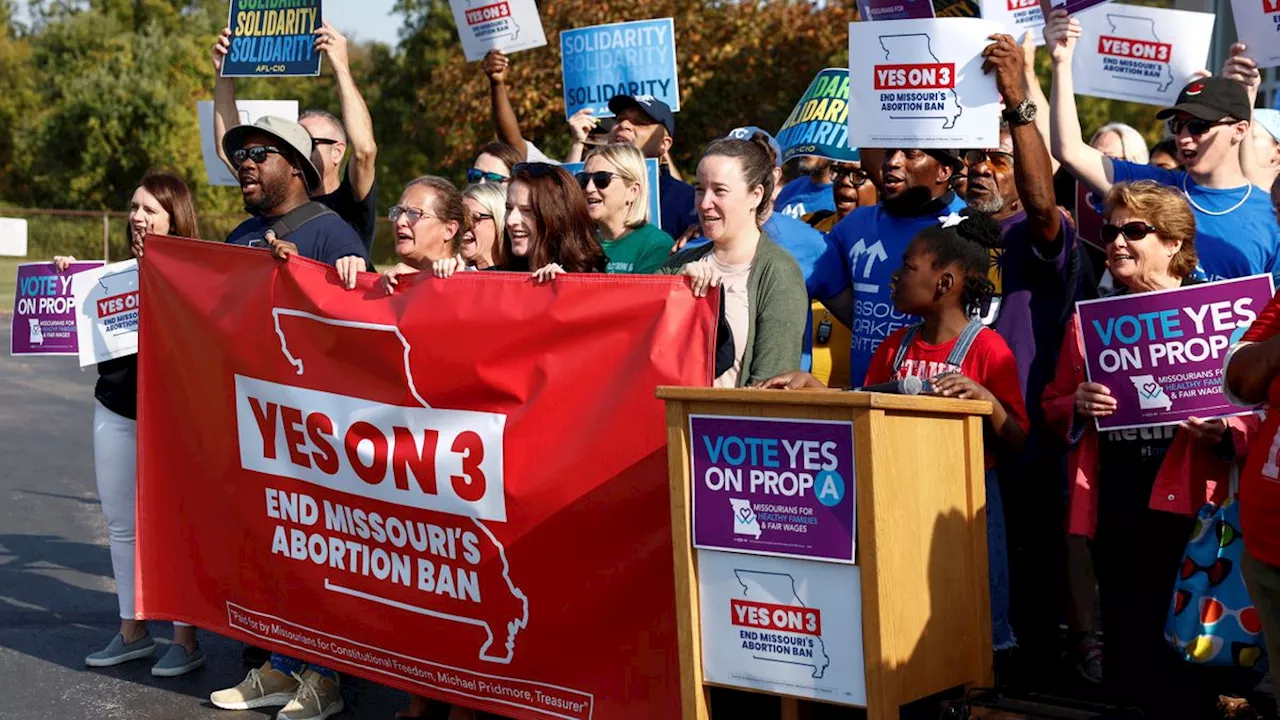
1121,142
480,246
616,185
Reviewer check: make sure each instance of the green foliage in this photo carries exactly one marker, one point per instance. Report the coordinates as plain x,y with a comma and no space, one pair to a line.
95,92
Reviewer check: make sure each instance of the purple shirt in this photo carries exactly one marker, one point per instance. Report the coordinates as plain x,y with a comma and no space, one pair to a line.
1035,297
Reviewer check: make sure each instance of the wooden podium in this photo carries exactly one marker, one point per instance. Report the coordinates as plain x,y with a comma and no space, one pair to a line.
921,545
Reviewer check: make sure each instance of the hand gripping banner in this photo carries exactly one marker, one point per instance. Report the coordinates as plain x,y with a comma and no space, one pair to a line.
459,490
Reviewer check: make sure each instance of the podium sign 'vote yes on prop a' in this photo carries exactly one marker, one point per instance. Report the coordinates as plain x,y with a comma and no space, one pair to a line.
829,547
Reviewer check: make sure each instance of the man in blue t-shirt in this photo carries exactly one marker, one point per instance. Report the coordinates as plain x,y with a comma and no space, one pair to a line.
863,251
809,193
275,177
1236,230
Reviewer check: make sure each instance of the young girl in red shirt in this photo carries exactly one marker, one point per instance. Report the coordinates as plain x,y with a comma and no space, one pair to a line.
943,281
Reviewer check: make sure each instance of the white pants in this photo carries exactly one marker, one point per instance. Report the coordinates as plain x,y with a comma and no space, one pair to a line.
115,462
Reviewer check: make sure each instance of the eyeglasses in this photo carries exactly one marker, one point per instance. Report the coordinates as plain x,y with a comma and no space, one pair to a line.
476,175
856,176
602,179
1195,126
995,158
258,154
475,219
323,141
411,213
1132,231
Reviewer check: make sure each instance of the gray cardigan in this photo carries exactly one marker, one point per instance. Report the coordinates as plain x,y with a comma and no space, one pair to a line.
778,304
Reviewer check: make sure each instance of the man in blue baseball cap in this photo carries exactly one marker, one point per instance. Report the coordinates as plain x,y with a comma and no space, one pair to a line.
648,123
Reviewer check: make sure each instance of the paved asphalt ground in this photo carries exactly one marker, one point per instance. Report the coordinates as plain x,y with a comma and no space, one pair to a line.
57,597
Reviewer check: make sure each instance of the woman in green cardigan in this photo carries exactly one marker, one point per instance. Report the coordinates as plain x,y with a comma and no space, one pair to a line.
764,296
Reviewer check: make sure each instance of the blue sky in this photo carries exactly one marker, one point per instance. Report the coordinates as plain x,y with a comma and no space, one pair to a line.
364,19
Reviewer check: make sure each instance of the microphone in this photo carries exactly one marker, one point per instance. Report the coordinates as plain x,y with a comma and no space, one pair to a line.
909,385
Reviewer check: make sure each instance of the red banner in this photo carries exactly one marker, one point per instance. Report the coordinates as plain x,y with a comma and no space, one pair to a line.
459,490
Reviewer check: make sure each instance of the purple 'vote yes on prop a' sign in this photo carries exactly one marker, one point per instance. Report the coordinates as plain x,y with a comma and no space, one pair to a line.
770,486
1161,353
44,311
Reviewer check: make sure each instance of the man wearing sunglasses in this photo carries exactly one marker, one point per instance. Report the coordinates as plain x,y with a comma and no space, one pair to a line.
277,181
1236,230
352,196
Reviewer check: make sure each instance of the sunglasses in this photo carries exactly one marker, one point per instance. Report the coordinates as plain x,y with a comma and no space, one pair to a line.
1195,126
476,176
258,154
413,214
601,178
323,141
994,158
856,176
1132,231
475,219
534,169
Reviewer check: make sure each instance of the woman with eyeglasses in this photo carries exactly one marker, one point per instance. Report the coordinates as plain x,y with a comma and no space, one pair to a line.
616,186
1121,482
428,221
764,299
851,189
493,164
161,205
480,246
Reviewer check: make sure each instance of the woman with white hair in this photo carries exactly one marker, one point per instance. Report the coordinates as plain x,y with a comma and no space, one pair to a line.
1120,142
616,184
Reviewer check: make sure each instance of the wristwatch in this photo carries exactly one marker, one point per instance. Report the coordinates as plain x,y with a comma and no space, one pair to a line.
1023,114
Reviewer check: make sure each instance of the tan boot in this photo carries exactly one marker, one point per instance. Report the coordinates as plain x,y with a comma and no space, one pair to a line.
317,698
262,687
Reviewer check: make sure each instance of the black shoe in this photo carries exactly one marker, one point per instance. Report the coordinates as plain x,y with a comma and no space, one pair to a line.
255,656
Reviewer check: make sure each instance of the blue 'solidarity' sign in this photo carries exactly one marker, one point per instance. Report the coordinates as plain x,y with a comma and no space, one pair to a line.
273,38
631,58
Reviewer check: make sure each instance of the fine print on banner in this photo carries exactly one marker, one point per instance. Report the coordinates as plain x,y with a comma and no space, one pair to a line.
505,25
630,58
777,625
925,87
653,170
819,124
1140,54
1258,27
1017,17
44,310
274,38
773,487
895,9
1161,353
249,111
106,307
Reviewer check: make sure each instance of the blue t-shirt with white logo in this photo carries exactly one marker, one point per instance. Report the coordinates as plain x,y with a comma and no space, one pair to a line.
1231,243
864,250
803,196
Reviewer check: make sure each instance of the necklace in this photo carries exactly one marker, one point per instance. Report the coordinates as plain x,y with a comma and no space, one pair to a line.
1247,192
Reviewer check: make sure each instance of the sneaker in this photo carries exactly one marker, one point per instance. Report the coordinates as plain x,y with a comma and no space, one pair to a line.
178,662
262,687
119,651
318,697
1089,662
